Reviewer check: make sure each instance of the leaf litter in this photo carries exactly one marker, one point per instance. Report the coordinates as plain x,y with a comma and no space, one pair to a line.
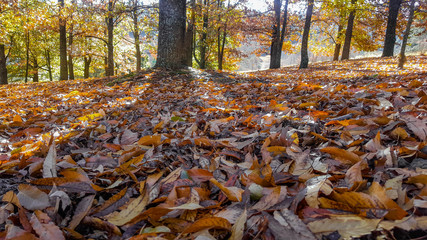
335,151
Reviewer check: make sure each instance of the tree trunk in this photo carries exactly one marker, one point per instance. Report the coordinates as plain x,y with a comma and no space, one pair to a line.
203,45
35,70
278,35
63,70
338,43
275,50
221,47
189,37
27,54
390,34
305,35
110,44
349,32
49,65
170,48
136,35
3,67
402,57
106,65
87,61
70,54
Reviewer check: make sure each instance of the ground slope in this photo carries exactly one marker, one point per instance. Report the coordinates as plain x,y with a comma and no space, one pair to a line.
335,151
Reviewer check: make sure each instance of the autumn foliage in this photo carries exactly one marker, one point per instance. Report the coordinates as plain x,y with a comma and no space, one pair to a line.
337,150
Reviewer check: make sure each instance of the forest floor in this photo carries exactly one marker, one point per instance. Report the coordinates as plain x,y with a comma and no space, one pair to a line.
334,151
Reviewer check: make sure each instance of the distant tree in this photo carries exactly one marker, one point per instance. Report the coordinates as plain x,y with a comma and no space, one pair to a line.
170,47
390,34
278,33
402,57
305,35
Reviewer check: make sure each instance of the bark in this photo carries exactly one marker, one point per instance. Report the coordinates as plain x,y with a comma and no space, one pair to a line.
170,48
35,70
221,46
203,45
110,44
278,34
349,32
275,50
390,34
402,57
49,64
338,43
305,35
3,66
70,55
87,61
189,37
63,69
136,36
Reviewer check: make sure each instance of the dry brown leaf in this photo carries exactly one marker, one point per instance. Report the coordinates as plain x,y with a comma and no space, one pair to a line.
348,226
46,231
239,227
81,211
232,193
208,223
32,198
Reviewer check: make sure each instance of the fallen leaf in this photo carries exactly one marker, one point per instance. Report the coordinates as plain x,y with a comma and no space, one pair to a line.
208,223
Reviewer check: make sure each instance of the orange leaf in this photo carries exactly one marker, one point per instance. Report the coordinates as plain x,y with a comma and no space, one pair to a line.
203,142
422,178
395,212
150,140
17,119
208,223
342,155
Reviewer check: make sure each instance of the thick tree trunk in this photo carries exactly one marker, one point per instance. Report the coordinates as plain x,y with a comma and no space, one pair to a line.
402,57
63,70
136,36
189,37
275,48
390,34
27,54
349,32
305,35
3,66
49,65
170,48
87,61
35,70
338,43
70,55
110,44
278,35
